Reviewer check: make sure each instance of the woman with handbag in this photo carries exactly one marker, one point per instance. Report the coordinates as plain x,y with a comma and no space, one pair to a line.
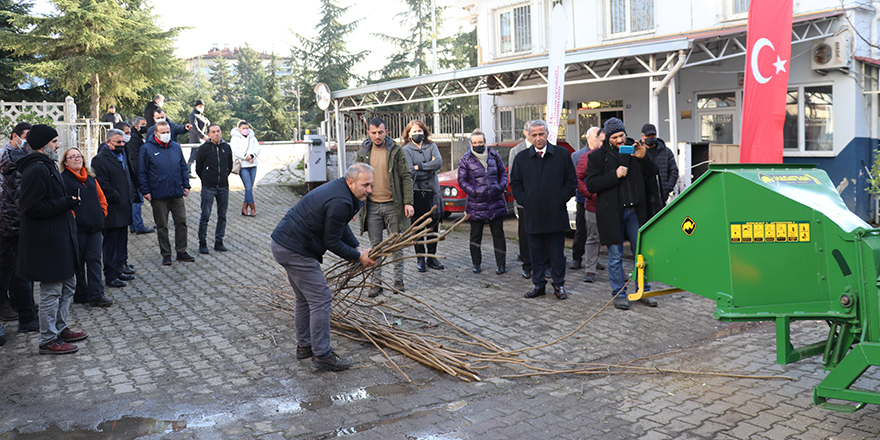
245,150
425,159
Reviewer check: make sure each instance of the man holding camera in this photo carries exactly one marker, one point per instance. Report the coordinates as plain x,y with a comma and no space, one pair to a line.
622,176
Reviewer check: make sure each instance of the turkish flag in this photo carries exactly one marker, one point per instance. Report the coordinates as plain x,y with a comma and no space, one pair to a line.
768,58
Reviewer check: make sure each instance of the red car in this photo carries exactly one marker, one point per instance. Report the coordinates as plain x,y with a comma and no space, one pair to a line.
454,198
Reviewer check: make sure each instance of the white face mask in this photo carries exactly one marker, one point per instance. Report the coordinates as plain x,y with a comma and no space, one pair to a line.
165,137
200,109
126,137
160,119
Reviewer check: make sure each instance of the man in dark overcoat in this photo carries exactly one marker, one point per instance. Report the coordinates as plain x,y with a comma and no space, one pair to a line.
542,182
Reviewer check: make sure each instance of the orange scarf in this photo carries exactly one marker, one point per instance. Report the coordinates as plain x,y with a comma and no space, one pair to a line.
82,175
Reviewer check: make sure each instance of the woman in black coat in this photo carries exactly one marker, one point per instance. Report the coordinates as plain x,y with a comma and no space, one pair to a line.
90,213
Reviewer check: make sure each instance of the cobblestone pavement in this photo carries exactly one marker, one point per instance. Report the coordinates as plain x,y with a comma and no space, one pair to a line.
189,352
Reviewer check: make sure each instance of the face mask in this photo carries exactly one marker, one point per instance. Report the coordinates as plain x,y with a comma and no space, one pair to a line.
126,138
479,149
244,131
165,137
160,119
418,138
651,141
200,109
142,129
160,104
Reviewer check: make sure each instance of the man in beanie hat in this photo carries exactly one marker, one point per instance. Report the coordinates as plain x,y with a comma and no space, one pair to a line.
621,183
47,242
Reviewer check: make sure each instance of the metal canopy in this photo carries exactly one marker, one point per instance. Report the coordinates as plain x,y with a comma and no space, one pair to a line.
639,60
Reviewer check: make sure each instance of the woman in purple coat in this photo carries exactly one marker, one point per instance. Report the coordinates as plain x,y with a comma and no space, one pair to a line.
483,177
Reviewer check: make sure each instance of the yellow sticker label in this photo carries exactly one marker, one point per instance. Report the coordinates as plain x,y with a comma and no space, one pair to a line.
688,226
735,233
769,232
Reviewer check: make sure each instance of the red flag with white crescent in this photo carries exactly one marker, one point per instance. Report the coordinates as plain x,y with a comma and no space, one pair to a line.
768,60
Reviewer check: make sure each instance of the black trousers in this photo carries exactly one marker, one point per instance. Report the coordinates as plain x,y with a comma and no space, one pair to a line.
554,243
89,284
524,253
20,290
580,234
115,252
496,225
432,247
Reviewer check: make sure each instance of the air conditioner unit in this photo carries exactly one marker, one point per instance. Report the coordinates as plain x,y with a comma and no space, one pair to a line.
831,53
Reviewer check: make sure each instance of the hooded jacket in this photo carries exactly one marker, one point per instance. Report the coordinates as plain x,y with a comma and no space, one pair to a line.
10,212
485,186
400,176
162,170
47,243
243,146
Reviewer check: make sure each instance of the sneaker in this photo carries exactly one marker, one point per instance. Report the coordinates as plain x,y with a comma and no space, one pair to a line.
589,277
57,347
218,246
71,336
203,248
303,352
33,326
183,256
331,362
166,261
575,264
622,302
7,313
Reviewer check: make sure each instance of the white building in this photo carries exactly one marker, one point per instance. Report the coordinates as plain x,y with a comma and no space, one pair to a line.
679,65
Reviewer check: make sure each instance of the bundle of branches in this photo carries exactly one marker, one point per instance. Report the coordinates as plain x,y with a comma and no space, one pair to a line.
379,323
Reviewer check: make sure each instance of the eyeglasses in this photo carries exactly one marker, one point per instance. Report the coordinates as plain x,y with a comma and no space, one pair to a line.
77,157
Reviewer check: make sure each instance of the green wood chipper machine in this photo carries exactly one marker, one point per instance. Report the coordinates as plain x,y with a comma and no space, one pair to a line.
776,243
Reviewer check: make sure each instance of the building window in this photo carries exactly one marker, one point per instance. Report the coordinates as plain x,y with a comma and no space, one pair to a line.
809,123
737,9
716,117
512,119
630,17
514,29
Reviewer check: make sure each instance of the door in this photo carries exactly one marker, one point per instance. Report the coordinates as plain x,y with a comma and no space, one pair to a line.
594,118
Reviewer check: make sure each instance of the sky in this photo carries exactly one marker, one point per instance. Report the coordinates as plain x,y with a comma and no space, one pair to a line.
269,25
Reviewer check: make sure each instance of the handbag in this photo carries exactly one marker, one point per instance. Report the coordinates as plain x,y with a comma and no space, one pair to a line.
236,166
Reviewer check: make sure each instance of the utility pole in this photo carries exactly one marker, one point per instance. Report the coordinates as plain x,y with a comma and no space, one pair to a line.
434,65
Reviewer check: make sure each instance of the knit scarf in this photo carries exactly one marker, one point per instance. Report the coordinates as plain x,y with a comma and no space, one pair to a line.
483,158
82,175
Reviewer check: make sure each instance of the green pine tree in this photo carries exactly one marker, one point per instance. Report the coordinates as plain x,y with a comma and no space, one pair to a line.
224,95
250,84
104,49
14,85
271,106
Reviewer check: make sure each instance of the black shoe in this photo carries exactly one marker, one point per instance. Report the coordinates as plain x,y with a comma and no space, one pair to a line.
145,231
500,270
420,265
203,248
331,362
166,261
622,302
115,283
374,291
547,273
303,352
101,301
184,256
127,269
535,292
398,285
218,246
477,268
125,277
7,313
575,264
559,291
527,273
650,302
33,326
433,263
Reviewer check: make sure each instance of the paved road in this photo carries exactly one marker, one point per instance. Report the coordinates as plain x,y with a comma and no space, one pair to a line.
189,352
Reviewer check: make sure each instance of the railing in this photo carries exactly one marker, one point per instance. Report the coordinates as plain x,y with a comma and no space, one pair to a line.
356,124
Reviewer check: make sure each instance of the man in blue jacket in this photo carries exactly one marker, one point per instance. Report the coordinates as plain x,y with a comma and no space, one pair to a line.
163,177
316,224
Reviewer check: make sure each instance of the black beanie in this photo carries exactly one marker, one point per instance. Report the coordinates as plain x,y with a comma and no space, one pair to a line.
40,135
613,126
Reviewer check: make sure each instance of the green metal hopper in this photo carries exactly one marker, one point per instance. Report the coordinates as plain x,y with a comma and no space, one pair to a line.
775,243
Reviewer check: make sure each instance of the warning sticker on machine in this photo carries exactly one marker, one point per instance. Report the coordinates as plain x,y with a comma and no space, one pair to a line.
769,232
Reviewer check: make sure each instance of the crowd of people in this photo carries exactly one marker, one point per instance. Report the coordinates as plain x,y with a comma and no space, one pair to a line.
65,223
389,185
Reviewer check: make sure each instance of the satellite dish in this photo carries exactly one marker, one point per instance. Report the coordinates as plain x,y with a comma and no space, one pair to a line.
322,95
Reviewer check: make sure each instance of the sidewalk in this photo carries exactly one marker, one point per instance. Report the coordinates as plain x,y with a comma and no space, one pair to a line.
189,352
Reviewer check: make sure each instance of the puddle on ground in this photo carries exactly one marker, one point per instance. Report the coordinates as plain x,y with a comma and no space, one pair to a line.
126,428
362,394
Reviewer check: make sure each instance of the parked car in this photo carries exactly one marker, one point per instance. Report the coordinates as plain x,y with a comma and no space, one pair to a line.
454,198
